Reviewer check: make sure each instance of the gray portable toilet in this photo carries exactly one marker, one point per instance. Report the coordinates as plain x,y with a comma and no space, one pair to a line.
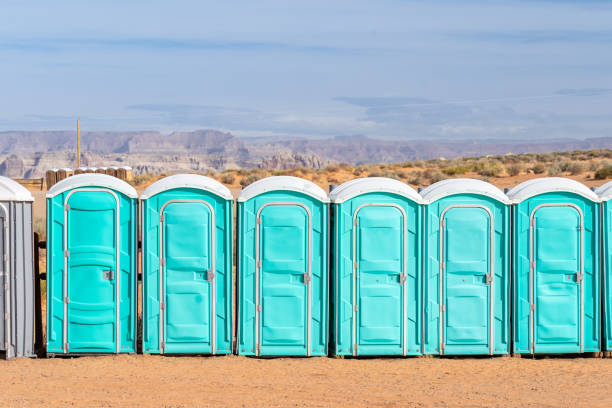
17,276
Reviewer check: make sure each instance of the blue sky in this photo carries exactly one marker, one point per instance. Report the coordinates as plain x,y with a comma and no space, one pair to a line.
387,68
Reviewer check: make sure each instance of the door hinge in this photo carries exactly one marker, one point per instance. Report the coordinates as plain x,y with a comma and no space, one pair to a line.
6,346
443,222
532,264
163,345
162,262
306,278
66,253
162,305
258,348
488,278
66,207
533,346
532,222
356,308
442,265
579,277
258,264
402,278
442,347
356,222
355,347
258,308
161,217
355,265
443,308
258,221
6,316
5,257
532,307
210,275
67,299
66,346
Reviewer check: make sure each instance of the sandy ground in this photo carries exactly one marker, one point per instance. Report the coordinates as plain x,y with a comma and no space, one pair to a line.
154,381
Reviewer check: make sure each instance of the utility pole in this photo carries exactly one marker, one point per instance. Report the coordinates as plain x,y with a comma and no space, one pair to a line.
78,146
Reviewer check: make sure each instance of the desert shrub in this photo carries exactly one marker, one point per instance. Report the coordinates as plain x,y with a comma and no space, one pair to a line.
408,164
490,171
456,170
401,174
250,179
555,169
228,178
576,168
416,180
419,163
545,157
332,169
359,170
332,180
428,174
438,176
345,166
538,168
604,172
514,169
376,173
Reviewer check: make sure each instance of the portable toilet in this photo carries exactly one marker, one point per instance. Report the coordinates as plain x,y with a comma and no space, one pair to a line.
187,266
283,268
17,277
92,253
376,285
605,194
467,268
556,267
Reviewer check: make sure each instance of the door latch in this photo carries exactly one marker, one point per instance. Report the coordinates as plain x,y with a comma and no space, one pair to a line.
402,278
108,275
488,278
210,275
579,277
306,278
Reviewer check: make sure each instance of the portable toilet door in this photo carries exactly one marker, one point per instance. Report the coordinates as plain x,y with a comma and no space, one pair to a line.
283,268
17,270
556,267
187,266
91,265
376,284
467,268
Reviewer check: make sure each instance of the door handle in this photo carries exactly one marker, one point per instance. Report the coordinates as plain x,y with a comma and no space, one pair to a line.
306,278
402,278
210,275
108,275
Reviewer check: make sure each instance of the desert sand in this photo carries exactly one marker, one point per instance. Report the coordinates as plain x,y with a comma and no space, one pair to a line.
232,381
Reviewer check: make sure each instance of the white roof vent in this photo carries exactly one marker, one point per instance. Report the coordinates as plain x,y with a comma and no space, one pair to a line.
283,183
449,187
10,190
92,180
530,188
355,187
187,181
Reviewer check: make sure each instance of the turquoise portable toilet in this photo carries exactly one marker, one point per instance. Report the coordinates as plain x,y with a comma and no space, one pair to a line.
467,268
283,268
605,194
376,284
187,266
92,252
556,267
